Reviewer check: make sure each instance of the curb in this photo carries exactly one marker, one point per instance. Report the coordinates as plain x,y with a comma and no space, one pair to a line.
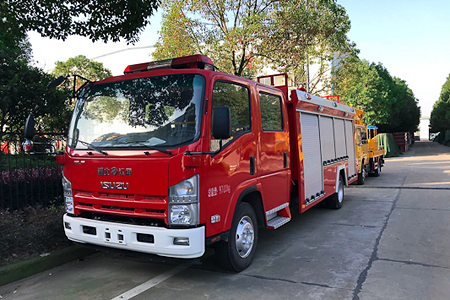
20,270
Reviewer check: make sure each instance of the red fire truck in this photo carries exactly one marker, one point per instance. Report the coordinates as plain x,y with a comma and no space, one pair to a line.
173,156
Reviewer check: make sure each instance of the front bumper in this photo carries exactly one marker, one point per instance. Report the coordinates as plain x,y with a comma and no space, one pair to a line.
126,237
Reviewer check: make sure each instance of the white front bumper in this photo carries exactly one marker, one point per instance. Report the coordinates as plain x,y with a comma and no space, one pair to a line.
124,236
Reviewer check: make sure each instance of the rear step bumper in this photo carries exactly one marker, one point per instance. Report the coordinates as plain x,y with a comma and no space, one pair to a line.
178,243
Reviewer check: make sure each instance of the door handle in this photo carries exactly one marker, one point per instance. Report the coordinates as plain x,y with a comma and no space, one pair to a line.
252,165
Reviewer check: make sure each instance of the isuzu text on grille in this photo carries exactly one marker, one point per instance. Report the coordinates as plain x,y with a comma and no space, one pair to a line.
114,185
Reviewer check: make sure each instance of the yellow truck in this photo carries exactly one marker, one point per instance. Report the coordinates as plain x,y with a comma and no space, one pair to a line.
369,154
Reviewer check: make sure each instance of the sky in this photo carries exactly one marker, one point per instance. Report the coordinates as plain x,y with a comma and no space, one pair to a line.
409,37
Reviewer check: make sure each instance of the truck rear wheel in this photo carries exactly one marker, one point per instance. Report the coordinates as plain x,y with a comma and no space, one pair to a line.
377,171
237,254
336,200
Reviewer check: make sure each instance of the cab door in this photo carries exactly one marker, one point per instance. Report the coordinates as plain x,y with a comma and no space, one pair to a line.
232,168
274,165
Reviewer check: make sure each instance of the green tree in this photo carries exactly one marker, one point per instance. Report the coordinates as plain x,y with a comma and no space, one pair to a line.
359,84
174,40
81,65
23,91
404,115
310,33
95,19
23,87
388,101
242,37
440,115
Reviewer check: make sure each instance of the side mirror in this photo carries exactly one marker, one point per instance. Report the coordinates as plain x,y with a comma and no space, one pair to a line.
27,146
221,123
56,82
29,127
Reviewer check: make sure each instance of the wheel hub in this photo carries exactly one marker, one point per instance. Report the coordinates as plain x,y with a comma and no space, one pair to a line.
340,192
244,236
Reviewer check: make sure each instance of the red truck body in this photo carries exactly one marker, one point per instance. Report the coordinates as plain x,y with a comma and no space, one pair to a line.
175,199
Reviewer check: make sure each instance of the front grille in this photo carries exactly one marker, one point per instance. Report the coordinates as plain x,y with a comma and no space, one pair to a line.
117,196
158,211
140,206
118,208
123,219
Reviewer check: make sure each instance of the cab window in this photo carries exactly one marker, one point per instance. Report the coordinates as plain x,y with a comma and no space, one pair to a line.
237,98
271,113
358,136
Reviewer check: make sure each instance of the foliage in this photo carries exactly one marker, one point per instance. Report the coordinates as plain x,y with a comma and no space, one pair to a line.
388,101
95,19
440,115
242,37
359,84
404,112
310,33
23,91
14,176
29,180
23,161
12,38
80,65
23,87
174,40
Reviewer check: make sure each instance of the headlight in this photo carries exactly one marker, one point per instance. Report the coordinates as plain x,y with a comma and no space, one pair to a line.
68,196
184,202
182,214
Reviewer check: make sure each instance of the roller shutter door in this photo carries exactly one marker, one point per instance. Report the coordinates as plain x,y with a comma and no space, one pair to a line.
339,134
327,138
312,158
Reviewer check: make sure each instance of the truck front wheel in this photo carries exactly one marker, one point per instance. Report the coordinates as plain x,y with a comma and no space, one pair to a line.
237,254
362,175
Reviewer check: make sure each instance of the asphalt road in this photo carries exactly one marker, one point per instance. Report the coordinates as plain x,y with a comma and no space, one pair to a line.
390,240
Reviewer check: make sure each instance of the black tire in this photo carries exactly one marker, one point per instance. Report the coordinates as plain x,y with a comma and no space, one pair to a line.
335,201
362,176
237,254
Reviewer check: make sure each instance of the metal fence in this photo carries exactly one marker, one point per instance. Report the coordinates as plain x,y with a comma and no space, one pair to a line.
30,179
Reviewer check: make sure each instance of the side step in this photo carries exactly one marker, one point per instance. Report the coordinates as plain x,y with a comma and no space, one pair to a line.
278,216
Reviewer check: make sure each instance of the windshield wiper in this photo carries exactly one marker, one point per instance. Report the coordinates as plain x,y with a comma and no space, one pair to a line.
92,147
149,147
159,149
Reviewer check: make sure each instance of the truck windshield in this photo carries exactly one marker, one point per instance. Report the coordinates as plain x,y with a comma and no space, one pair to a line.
163,111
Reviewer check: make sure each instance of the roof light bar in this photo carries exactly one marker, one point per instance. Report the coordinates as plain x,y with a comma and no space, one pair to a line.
197,61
